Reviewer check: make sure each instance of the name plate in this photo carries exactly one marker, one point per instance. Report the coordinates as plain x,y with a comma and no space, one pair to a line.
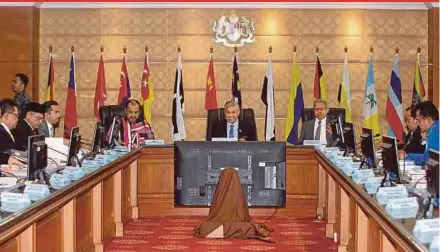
103,159
36,192
361,176
74,173
406,162
435,245
340,162
384,194
154,142
59,181
372,184
14,202
416,168
403,208
311,143
425,230
121,148
91,166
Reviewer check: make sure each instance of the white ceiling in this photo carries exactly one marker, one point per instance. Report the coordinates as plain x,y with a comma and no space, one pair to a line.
233,5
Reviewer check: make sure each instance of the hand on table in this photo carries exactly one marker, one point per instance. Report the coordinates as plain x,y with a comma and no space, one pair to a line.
14,162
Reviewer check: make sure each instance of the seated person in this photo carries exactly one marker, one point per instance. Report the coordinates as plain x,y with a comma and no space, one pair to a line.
413,139
231,126
318,128
51,119
33,115
8,121
139,130
427,118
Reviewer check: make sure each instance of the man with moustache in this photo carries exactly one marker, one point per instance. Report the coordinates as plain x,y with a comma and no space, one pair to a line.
319,127
8,121
33,116
51,120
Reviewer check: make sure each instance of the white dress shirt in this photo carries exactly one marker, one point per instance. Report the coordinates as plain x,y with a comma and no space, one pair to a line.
50,128
323,136
235,129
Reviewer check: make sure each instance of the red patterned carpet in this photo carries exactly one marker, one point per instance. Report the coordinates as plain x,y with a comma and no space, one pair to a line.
175,234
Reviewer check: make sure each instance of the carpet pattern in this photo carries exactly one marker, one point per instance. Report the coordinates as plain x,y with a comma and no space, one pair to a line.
174,233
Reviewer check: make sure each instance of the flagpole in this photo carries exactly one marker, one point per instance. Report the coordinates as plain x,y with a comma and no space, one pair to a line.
72,50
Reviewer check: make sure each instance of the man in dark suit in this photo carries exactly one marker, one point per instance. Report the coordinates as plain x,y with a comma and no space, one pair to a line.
232,127
19,84
318,128
8,121
28,126
51,120
413,139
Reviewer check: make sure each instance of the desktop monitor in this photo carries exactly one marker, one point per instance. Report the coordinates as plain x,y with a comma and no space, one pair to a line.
260,165
390,161
336,128
36,157
432,173
75,138
367,145
349,138
114,132
97,138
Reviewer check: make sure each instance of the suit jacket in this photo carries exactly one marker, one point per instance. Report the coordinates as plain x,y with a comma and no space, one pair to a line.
44,129
308,132
245,130
21,134
413,144
7,143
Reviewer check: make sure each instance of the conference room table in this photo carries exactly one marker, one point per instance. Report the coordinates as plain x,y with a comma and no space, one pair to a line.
88,213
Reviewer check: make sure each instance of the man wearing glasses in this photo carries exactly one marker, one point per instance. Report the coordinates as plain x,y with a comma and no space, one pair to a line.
427,119
8,121
33,116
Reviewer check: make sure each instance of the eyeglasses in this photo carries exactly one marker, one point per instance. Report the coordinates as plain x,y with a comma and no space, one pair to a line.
16,114
39,118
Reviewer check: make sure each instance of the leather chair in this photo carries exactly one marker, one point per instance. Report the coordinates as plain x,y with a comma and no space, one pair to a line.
333,113
107,113
216,115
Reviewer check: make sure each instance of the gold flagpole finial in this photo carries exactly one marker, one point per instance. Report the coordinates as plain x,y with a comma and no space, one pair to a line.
371,49
72,49
419,50
317,49
124,49
179,49
345,49
397,50
295,49
211,49
235,49
146,49
50,48
102,48
270,49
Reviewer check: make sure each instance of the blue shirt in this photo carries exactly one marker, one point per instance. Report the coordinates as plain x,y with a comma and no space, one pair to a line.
432,143
235,129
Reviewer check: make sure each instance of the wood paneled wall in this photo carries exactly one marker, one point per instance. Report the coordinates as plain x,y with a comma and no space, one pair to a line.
433,42
19,47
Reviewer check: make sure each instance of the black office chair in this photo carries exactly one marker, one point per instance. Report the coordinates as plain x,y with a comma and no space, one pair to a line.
216,115
333,113
107,113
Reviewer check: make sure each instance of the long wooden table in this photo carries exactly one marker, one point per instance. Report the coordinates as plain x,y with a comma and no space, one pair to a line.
88,213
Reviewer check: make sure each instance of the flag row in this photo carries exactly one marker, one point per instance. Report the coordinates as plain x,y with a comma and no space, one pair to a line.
394,105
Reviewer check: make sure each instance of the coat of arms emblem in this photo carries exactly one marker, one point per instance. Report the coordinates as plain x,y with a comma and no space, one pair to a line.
233,31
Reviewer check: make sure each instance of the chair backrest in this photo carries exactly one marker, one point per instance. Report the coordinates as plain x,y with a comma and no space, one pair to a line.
216,115
107,113
332,114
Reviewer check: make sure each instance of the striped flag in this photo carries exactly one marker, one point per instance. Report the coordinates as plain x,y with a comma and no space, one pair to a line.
394,108
267,97
100,89
344,96
418,89
70,118
319,91
147,90
370,112
178,133
124,88
50,89
296,105
236,87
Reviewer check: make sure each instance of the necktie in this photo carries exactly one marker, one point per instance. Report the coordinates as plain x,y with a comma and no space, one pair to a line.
318,131
35,131
231,131
52,132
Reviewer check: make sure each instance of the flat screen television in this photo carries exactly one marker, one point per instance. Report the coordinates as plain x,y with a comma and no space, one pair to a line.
432,173
75,138
349,138
36,157
260,165
368,150
390,161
